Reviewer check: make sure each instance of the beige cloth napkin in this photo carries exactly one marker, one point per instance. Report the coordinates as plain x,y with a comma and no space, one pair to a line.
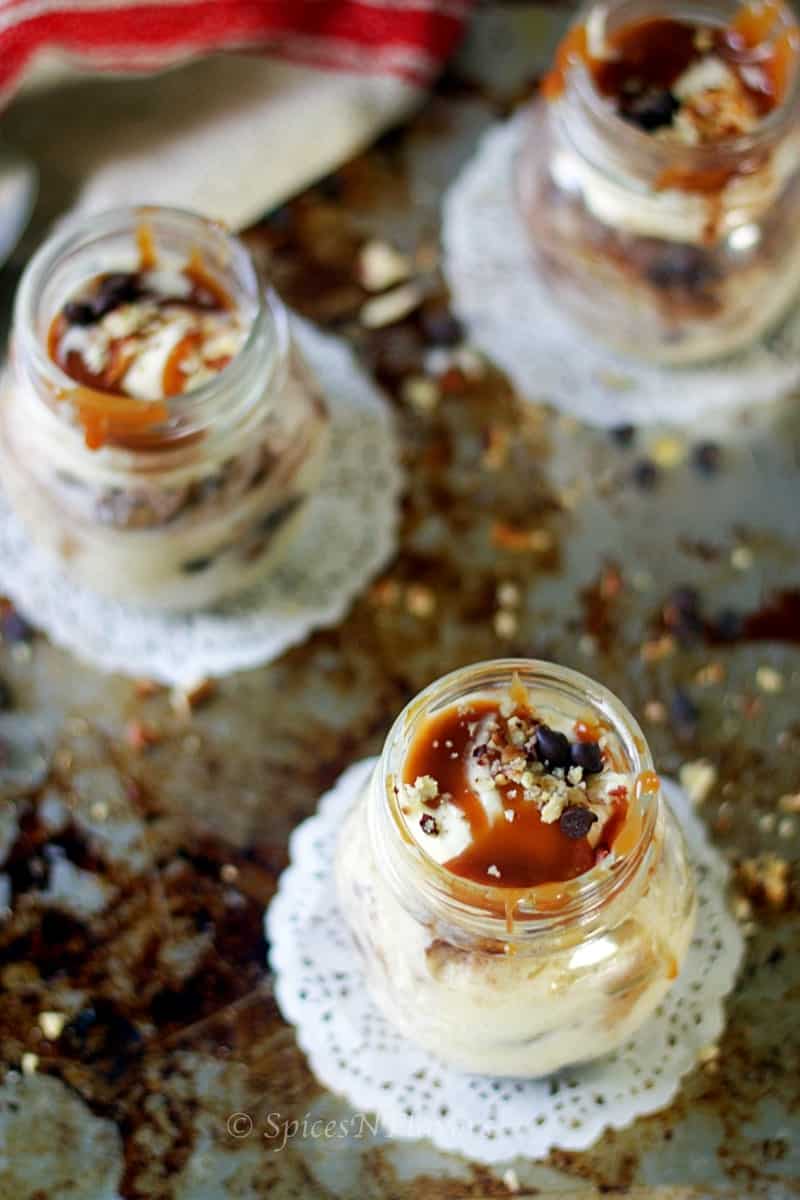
232,135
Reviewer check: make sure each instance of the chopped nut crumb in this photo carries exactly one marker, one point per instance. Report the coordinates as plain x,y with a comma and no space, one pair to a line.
518,541
145,688
428,825
710,674
786,827
494,871
655,712
496,448
742,558
421,393
657,649
708,1057
391,306
380,266
140,734
508,595
30,1063
184,699
51,1024
766,879
790,803
668,451
769,680
697,779
385,593
420,600
510,1180
505,623
424,789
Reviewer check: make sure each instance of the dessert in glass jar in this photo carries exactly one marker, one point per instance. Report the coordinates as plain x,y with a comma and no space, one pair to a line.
659,177
517,888
159,433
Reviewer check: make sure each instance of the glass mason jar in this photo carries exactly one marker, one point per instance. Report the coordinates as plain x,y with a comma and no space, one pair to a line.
196,506
506,982
670,252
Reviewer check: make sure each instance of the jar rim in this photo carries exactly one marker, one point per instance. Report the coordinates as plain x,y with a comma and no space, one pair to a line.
484,908
654,154
269,317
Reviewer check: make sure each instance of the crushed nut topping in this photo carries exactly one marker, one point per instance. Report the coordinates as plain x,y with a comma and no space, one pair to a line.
428,824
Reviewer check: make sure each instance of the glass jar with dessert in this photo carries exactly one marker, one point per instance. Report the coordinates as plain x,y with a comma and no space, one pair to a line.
659,176
512,877
159,433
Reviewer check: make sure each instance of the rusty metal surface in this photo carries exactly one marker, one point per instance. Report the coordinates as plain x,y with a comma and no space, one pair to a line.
140,842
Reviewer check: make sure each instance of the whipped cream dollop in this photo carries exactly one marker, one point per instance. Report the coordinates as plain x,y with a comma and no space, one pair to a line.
147,335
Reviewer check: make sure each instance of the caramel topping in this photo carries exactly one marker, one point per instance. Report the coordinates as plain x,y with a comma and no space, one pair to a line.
647,784
517,848
755,22
174,379
573,48
145,244
97,348
198,273
650,56
105,417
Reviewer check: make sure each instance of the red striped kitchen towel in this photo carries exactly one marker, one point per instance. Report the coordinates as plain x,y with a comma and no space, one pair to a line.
409,39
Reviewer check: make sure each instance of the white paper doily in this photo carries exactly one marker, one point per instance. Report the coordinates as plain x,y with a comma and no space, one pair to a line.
353,1050
347,535
512,318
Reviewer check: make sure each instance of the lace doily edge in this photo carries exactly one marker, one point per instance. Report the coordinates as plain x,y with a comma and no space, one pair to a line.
364,1096
296,626
496,146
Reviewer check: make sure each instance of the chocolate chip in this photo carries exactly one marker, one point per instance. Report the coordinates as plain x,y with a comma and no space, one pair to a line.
15,628
79,312
428,824
624,435
441,327
112,291
195,565
682,614
727,625
280,219
645,474
707,458
686,267
397,351
330,187
650,109
552,747
684,712
587,755
576,822
273,520
685,599
6,696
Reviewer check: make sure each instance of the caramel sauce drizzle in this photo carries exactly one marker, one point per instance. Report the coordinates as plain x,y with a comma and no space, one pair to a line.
107,415
527,852
661,49
146,245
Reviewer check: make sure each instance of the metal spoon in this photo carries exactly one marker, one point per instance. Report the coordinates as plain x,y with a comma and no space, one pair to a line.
18,186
